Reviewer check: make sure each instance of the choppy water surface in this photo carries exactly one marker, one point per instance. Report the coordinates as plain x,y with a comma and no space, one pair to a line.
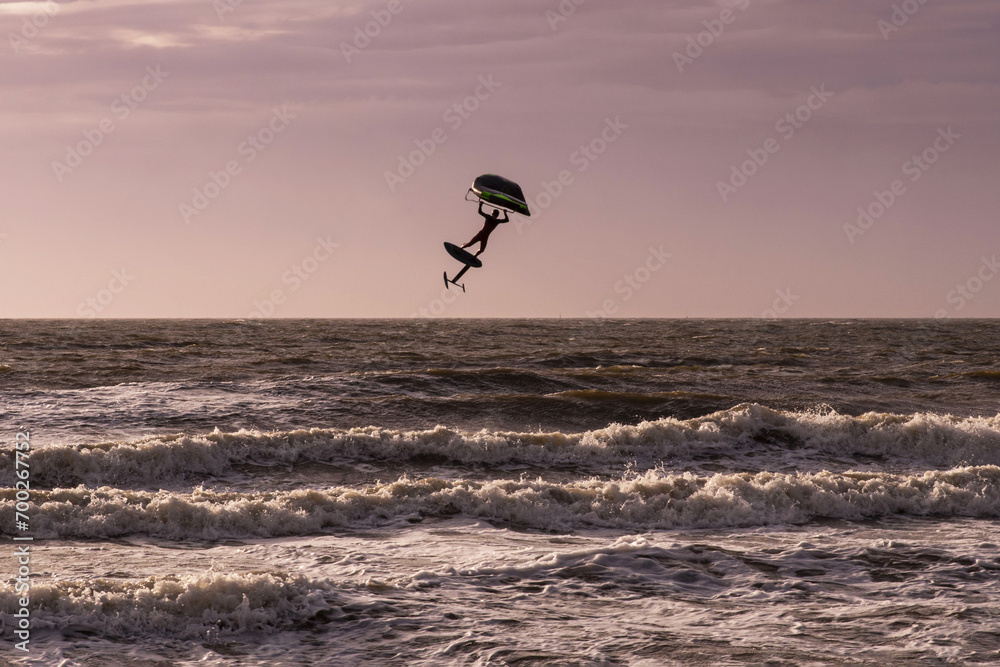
506,491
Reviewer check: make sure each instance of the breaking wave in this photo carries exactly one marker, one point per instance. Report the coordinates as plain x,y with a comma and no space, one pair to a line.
926,438
654,500
209,606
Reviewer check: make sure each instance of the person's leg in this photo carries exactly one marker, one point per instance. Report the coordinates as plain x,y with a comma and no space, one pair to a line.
482,245
475,239
478,238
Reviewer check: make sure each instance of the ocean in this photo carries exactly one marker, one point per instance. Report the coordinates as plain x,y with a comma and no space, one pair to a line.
500,492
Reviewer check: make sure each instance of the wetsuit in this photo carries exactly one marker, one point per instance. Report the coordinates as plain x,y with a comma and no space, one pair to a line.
484,234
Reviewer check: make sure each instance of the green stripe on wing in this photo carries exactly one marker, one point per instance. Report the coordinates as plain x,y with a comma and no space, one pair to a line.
504,201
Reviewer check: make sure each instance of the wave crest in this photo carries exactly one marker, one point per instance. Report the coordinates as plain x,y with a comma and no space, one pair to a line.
654,500
928,438
203,606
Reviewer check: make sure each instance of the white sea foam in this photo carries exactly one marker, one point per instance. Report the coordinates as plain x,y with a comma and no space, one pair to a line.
927,438
655,500
206,606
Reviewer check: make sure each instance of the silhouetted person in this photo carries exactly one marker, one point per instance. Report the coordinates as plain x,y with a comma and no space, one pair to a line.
492,221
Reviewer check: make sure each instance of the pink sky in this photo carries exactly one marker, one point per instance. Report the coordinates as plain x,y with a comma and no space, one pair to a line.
643,126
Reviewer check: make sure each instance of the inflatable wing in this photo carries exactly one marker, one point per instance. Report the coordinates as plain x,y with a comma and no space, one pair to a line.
501,193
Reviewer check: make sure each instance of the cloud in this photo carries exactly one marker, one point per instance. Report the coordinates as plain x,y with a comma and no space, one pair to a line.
559,82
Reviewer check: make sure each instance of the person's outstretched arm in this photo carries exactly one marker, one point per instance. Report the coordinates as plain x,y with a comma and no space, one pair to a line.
506,218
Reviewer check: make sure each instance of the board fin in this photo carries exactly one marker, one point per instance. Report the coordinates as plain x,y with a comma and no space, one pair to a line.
452,282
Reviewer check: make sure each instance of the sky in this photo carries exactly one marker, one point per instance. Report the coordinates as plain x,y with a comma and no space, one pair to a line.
308,158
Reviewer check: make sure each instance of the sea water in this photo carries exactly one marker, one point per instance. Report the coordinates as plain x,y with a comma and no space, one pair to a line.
501,492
